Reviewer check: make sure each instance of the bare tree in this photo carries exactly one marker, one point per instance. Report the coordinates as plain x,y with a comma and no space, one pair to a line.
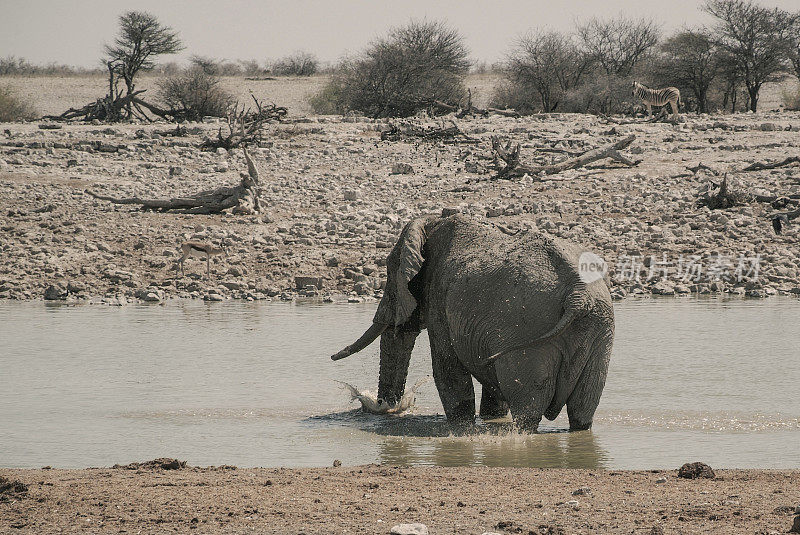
689,60
756,39
546,63
141,39
617,44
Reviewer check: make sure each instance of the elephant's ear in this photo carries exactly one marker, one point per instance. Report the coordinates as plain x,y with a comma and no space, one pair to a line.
409,251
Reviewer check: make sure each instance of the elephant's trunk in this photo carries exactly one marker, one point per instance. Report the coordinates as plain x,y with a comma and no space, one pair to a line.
366,339
396,348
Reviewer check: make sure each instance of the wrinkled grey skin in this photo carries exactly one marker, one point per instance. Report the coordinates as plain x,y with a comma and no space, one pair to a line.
510,311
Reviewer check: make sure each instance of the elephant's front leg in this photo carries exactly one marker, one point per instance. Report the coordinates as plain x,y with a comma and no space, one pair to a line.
454,383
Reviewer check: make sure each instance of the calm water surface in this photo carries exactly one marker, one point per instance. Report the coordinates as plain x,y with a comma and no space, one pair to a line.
252,385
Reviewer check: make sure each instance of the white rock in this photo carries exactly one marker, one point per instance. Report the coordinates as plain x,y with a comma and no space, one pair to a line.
409,529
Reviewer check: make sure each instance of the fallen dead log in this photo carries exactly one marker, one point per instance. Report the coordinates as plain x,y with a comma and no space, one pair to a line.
469,109
103,109
240,199
513,168
759,166
662,116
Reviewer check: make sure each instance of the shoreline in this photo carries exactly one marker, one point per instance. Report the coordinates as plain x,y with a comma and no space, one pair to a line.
373,498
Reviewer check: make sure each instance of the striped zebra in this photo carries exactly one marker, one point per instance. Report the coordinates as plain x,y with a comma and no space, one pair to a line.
658,97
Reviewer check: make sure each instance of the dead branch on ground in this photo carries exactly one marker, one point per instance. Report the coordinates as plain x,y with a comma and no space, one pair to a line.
513,168
759,166
245,125
240,199
468,109
662,117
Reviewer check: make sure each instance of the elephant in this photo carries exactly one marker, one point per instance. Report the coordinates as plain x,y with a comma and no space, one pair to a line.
514,312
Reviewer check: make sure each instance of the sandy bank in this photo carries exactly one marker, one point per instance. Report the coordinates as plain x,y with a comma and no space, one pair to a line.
371,499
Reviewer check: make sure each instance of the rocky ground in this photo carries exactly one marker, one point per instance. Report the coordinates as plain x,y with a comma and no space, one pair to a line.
375,499
336,197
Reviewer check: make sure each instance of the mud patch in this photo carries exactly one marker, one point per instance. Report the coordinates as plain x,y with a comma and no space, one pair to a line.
163,463
12,490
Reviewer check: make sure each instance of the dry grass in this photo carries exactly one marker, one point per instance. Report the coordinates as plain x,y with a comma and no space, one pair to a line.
14,108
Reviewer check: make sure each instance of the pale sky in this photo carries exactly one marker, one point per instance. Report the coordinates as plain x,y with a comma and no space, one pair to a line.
73,32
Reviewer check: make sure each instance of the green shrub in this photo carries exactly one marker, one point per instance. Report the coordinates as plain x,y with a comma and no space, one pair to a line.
196,93
400,74
12,108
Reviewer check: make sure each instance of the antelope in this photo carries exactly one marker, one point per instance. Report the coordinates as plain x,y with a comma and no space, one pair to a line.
199,249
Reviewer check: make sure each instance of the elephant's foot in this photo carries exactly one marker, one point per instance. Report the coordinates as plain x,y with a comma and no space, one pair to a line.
579,426
462,418
492,407
527,423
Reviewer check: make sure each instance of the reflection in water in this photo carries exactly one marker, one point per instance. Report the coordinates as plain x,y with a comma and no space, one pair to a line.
426,439
544,450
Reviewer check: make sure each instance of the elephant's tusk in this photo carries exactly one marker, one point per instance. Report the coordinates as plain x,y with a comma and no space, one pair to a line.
366,339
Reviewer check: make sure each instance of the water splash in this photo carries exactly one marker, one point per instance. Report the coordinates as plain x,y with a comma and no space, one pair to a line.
370,402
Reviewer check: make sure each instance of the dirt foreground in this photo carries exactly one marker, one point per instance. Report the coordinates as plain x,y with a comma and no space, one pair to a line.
373,499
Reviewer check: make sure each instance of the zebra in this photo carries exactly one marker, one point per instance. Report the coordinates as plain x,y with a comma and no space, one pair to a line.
658,97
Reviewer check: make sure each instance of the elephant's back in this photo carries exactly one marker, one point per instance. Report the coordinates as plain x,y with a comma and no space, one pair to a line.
501,292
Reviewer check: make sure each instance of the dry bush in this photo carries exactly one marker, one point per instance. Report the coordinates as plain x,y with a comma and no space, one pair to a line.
522,98
604,94
791,99
400,74
196,94
12,108
298,64
215,67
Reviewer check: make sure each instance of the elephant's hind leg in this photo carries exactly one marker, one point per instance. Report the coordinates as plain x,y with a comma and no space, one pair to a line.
454,384
585,397
492,405
527,380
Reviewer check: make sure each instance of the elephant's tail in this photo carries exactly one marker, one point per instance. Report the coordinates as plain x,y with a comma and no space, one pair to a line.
576,306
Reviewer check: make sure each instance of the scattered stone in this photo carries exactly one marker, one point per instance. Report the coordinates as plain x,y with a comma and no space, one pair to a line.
661,480
337,463
696,470
402,169
583,491
55,292
409,529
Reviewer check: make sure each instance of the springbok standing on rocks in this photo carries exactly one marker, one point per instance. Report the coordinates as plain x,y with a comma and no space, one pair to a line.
200,250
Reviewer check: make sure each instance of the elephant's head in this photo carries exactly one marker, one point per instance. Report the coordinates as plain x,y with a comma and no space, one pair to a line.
398,319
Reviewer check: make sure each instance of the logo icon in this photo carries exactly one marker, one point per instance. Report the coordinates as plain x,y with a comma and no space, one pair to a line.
591,267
